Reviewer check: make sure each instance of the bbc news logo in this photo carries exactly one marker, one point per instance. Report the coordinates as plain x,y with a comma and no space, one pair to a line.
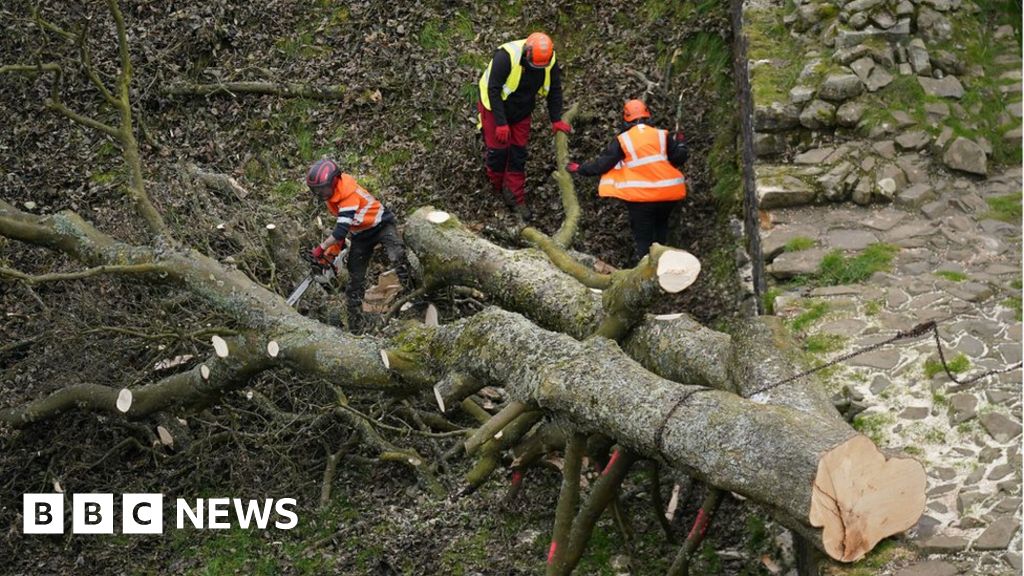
144,513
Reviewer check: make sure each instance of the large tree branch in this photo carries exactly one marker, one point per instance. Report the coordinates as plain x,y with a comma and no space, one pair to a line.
203,384
727,441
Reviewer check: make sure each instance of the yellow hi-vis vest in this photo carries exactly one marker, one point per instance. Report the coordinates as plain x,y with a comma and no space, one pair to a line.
515,53
645,174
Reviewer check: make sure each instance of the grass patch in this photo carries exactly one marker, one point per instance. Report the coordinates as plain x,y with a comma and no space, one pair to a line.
1014,303
873,307
814,312
836,268
1005,208
769,39
952,275
799,243
299,46
768,300
823,343
903,93
873,425
433,38
960,363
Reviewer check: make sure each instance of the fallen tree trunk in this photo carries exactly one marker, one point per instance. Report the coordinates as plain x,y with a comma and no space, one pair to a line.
801,466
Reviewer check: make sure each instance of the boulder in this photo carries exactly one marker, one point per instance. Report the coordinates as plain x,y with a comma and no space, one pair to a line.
883,19
947,62
937,111
768,144
915,196
948,87
850,113
878,79
862,67
913,140
840,87
917,55
817,115
861,6
933,26
966,155
801,94
776,117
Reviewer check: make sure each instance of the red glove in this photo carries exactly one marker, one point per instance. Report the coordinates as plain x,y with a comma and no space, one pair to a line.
560,126
572,167
502,134
679,136
317,253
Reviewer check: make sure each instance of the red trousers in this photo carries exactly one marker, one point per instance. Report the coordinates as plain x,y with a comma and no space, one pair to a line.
506,163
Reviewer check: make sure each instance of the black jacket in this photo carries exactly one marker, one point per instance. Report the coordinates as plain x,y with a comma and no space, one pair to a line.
613,154
520,103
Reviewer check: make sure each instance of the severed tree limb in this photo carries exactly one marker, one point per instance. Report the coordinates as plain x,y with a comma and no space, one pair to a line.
453,388
601,496
95,271
280,89
570,203
201,385
724,440
491,451
216,181
388,452
565,262
676,347
735,444
493,426
568,501
331,468
657,502
31,68
706,512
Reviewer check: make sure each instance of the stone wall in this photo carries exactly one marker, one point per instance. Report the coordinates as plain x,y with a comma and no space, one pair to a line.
861,100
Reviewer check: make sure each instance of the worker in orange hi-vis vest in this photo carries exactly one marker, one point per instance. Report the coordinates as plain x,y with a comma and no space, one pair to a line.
518,73
640,167
367,220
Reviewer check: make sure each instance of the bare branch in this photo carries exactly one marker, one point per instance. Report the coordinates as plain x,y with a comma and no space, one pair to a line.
54,104
90,69
279,89
31,68
54,277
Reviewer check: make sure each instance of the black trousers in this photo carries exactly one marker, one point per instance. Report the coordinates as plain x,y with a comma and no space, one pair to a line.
649,222
359,260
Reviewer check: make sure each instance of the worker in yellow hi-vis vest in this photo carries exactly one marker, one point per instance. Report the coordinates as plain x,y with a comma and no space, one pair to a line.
519,72
640,167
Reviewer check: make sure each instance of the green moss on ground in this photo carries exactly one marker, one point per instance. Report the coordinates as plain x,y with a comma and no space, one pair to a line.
837,268
769,39
958,364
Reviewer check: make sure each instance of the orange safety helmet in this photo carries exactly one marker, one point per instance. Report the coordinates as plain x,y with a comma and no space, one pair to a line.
634,110
538,50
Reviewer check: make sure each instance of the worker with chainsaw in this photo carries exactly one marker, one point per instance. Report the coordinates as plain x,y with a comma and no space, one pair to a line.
518,73
366,222
641,168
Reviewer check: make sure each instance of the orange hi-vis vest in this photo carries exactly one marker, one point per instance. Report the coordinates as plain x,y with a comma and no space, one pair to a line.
645,174
354,206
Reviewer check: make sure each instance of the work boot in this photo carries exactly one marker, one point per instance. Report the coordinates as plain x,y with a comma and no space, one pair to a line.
356,320
509,198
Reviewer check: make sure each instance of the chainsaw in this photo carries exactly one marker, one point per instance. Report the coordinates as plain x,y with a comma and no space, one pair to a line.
322,270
